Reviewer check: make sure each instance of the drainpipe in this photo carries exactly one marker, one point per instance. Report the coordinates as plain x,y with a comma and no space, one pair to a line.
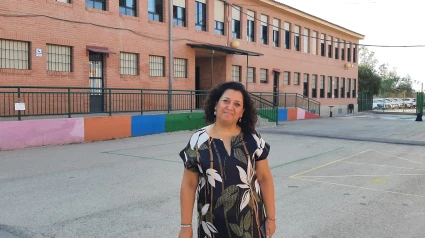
170,19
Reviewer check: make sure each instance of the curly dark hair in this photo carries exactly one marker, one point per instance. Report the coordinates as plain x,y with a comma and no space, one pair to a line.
249,117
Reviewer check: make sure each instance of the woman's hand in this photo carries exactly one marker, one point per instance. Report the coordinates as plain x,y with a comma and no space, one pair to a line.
270,228
186,232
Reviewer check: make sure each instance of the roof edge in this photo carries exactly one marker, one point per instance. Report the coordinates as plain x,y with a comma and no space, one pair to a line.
313,18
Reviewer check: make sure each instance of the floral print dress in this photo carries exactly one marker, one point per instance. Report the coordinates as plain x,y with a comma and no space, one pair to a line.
228,195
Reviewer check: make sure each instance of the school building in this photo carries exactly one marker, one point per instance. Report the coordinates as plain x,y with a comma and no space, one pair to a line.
178,45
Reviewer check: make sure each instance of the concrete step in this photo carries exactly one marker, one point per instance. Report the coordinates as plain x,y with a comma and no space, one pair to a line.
264,123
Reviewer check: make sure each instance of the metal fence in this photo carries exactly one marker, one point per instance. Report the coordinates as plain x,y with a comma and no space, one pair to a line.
286,100
420,103
364,101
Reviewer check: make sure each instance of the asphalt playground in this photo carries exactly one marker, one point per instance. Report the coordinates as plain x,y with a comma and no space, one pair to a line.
353,176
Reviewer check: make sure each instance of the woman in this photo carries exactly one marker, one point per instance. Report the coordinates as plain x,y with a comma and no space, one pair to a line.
227,172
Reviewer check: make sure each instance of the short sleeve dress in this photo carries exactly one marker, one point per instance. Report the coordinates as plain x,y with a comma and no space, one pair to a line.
228,195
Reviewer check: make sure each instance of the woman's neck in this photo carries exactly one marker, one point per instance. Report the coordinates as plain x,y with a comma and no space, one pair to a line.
226,130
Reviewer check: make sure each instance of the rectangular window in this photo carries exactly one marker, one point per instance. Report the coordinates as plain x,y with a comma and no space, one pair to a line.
200,15
336,89
59,58
297,38
342,87
218,17
314,43
314,86
305,86
348,88
354,88
348,51
250,26
179,12
96,4
286,78
322,86
155,10
129,63
156,66
322,45
264,75
276,32
354,54
329,43
296,78
306,40
128,7
287,27
251,75
264,29
14,54
329,86
342,45
65,1
336,43
180,68
236,22
236,73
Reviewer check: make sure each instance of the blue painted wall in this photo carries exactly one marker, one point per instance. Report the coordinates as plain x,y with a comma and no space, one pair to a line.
147,124
282,114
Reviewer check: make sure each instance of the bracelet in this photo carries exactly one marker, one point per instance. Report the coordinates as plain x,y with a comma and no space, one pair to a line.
186,225
271,218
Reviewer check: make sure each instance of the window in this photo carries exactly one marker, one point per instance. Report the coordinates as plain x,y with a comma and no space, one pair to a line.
336,48
96,4
287,27
236,22
348,51
218,17
128,7
286,78
200,15
314,43
342,45
306,40
329,86
305,86
343,88
156,66
59,58
336,89
354,54
276,32
264,29
296,78
65,1
297,38
129,63
329,41
322,45
155,10
251,26
314,86
179,12
354,88
348,88
263,75
251,75
322,86
236,73
14,54
180,68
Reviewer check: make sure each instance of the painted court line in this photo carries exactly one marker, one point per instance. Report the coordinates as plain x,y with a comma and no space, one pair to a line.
365,188
381,165
388,151
321,166
144,146
361,175
141,157
415,162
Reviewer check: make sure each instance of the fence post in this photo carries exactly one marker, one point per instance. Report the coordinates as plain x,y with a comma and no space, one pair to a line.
110,102
285,99
308,104
191,100
19,100
141,101
69,102
296,100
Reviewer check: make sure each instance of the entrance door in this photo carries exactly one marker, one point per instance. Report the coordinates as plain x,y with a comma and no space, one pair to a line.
197,86
96,82
276,88
306,83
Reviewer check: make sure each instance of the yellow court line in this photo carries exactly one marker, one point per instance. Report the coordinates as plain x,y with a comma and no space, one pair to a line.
372,189
361,175
321,166
399,157
402,152
389,166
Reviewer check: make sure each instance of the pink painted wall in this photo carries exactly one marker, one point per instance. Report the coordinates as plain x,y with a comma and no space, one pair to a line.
32,133
300,114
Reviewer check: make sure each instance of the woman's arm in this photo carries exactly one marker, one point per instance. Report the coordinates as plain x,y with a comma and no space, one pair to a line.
265,179
187,200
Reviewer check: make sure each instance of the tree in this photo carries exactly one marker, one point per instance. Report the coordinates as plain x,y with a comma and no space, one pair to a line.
369,80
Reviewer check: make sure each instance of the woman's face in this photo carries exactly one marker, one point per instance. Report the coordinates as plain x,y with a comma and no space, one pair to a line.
230,107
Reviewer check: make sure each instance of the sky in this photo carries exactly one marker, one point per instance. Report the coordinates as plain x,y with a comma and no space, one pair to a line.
383,22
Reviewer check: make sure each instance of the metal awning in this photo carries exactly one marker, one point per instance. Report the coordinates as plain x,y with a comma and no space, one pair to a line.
99,49
225,49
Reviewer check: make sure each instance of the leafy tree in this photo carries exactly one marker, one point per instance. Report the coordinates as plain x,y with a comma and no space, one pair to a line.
369,80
